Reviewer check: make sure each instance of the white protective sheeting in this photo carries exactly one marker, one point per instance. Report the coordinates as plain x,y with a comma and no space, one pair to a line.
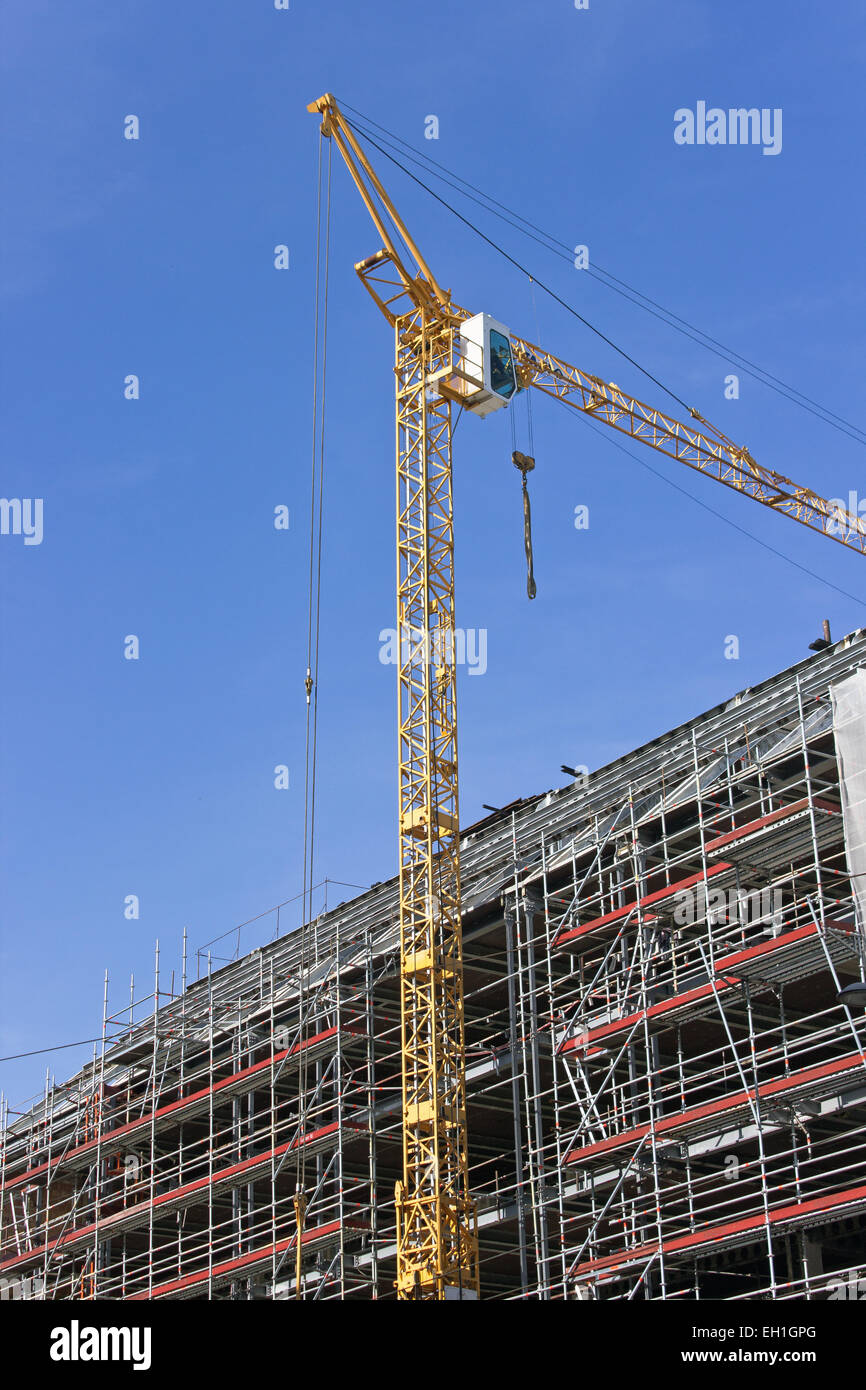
849,726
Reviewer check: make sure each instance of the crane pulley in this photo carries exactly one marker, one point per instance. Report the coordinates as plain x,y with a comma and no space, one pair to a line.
445,356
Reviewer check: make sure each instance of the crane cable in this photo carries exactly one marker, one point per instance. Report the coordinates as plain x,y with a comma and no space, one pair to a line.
525,463
534,280
315,548
524,271
613,282
311,679
644,463
524,467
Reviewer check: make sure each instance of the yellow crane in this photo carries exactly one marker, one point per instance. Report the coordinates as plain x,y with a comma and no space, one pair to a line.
445,356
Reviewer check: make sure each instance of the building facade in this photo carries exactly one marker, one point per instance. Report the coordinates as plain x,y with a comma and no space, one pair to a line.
666,1097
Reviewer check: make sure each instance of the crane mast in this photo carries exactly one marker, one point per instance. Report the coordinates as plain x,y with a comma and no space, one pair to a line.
436,1236
437,1242
437,1248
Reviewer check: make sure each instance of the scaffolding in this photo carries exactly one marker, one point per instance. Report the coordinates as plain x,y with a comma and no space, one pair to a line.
666,1098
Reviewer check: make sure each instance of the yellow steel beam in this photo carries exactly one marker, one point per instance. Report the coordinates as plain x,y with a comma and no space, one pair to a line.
437,1246
422,284
705,449
436,1232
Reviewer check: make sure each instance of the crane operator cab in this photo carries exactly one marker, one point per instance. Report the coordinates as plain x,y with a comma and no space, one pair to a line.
489,379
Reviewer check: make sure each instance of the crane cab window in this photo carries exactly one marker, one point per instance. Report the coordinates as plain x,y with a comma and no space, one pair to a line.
501,365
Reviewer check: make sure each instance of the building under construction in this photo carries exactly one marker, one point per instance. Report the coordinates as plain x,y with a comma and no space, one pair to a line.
666,1096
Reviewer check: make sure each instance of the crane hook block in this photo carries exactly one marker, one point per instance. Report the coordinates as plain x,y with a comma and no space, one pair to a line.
525,463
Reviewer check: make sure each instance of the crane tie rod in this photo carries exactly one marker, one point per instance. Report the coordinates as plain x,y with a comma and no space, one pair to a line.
549,242
524,271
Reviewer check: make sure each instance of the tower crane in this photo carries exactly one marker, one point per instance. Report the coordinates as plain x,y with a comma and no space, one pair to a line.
447,357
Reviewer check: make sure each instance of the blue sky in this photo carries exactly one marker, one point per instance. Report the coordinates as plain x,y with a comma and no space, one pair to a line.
155,257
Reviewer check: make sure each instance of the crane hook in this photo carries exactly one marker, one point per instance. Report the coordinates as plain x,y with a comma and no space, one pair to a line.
525,463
